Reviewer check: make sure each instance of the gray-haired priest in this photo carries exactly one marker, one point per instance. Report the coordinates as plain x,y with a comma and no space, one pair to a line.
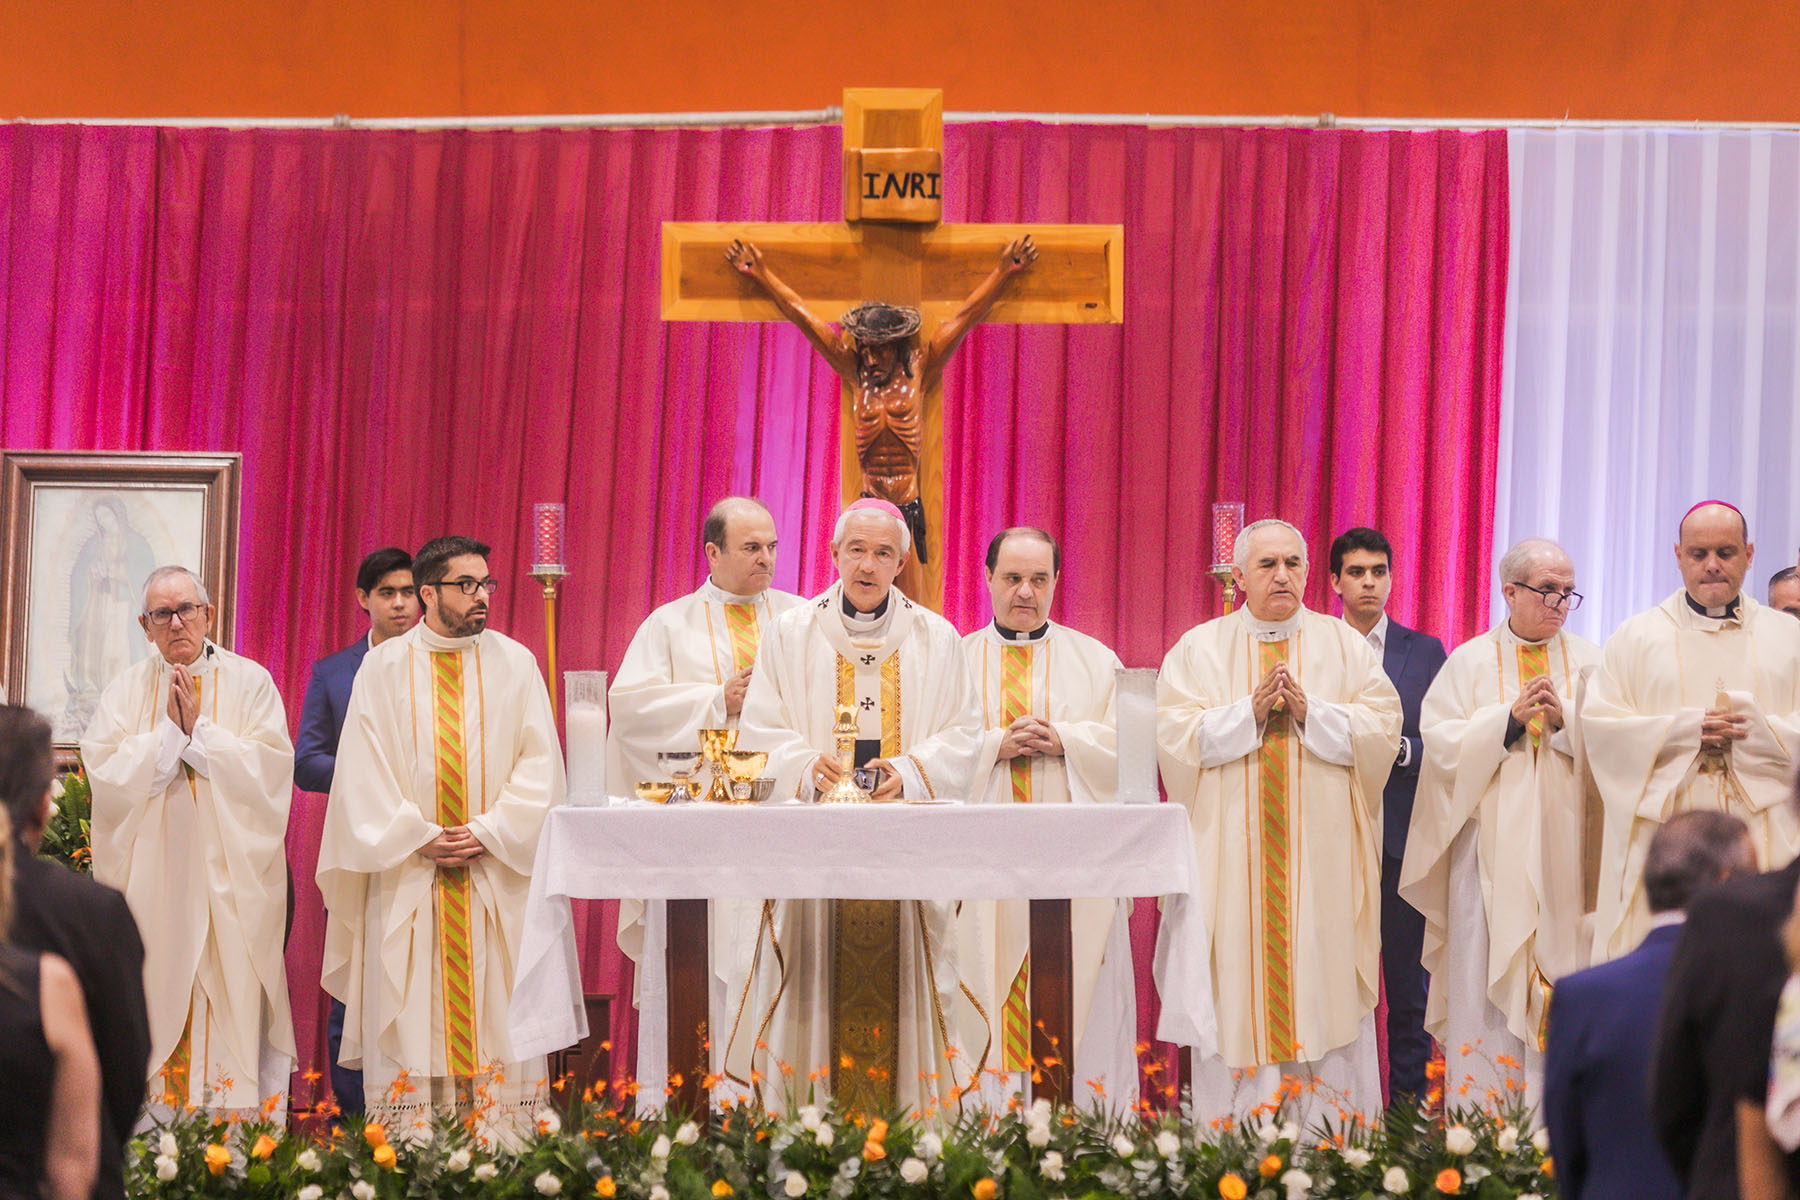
1276,728
864,644
1047,703
192,772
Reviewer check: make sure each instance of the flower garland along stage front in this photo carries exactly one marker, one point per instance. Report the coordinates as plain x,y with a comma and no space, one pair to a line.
1026,1154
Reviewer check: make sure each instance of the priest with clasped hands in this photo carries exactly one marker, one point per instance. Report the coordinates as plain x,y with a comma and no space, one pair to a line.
1276,728
1696,705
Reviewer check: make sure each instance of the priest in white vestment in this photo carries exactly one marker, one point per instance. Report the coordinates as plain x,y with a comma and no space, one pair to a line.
192,775
1493,859
446,768
864,644
1696,705
687,669
1276,728
1051,738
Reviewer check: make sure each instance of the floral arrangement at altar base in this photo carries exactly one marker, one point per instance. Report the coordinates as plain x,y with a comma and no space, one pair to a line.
66,835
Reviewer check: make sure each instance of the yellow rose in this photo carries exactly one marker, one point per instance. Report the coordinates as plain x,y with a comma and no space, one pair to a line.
1269,1167
1233,1188
720,1188
265,1146
217,1159
605,1188
375,1134
986,1189
384,1157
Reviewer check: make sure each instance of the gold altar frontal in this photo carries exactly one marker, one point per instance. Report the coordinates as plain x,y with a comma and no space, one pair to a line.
865,1003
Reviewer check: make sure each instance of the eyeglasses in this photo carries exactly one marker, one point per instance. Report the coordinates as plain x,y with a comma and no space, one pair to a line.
1553,598
160,617
467,587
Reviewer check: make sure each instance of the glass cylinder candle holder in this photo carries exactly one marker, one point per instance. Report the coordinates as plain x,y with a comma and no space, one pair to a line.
1136,717
549,527
584,725
1227,523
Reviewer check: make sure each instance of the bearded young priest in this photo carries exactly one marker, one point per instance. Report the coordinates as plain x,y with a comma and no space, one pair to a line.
864,643
1276,728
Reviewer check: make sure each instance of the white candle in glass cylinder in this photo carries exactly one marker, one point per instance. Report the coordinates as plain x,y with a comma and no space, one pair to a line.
586,728
1136,714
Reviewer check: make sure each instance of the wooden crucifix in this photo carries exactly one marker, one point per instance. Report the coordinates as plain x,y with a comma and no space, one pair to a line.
894,250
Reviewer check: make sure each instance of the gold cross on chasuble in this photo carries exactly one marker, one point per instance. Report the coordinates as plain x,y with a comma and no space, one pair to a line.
1276,840
456,948
898,254
1534,661
740,623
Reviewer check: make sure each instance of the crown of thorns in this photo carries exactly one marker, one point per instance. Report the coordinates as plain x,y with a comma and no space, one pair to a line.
874,322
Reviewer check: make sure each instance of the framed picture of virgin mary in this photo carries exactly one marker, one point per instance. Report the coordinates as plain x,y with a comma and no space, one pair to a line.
82,532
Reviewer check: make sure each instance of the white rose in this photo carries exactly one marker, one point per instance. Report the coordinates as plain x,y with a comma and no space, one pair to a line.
311,1191
56,788
548,1122
930,1145
809,1117
1051,1165
660,1147
1356,1158
1298,1184
659,1192
688,1134
913,1171
547,1184
1123,1146
307,1160
166,1170
1458,1140
1540,1141
1037,1135
795,1184
486,1171
1289,1132
1507,1140
168,1145
1267,1132
824,1135
1394,1180
1040,1111
1168,1144
1475,1173
1530,1196
362,1189
460,1159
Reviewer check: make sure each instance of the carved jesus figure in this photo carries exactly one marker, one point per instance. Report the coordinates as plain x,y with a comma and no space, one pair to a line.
878,355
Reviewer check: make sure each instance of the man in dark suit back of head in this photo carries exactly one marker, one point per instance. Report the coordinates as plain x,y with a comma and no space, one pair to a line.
1362,562
87,924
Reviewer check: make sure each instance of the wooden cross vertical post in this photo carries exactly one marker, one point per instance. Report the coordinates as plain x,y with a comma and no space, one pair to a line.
894,248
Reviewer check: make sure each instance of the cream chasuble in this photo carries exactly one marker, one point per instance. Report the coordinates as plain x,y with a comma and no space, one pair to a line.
1288,817
1660,671
1067,678
1493,858
440,732
192,830
906,676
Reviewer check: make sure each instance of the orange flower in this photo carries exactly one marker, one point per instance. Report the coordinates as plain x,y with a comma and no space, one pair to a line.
1269,1167
878,1131
375,1135
721,1189
605,1188
1548,1167
265,1146
384,1157
985,1189
217,1159
1231,1187
873,1150
1449,1180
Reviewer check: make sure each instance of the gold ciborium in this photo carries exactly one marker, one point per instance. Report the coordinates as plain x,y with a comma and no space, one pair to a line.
846,790
654,790
744,767
681,766
713,743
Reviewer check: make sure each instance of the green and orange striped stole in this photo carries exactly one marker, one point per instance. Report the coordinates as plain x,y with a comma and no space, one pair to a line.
1277,884
1015,702
456,948
740,623
1534,661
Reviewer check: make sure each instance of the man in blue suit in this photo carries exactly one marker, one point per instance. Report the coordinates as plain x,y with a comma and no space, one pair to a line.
384,590
1603,1024
1362,575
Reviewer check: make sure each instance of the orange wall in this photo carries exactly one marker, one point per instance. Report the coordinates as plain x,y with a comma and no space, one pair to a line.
1629,59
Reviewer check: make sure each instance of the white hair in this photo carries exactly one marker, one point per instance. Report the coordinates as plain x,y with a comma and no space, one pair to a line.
162,573
837,531
1515,564
1240,549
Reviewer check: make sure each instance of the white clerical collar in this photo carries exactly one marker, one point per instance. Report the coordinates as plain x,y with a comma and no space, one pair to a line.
1508,633
1732,610
431,639
1378,635
714,592
1271,631
209,658
1021,635
866,624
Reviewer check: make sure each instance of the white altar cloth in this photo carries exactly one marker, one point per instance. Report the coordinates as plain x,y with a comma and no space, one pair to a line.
850,852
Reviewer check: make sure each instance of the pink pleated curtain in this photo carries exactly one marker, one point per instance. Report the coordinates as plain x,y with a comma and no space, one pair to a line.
412,333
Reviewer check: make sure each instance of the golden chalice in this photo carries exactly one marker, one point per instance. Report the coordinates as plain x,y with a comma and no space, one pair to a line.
654,790
713,743
744,767
681,766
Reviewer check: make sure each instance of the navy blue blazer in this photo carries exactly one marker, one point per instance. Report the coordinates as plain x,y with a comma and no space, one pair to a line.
1411,660
1597,1077
322,716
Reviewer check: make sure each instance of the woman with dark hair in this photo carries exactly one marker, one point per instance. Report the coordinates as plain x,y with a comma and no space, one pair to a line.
50,1106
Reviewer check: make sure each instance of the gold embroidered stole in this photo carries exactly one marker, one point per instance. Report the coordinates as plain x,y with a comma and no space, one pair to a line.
1276,843
740,623
1015,702
1534,661
456,948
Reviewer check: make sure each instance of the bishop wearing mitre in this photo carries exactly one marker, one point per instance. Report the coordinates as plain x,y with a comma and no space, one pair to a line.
900,669
1050,738
1696,705
1493,860
1276,729
192,775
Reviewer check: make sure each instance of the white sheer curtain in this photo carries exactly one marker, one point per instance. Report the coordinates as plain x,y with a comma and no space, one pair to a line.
1652,352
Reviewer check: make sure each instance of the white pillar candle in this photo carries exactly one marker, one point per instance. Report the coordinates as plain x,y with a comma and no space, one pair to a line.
586,728
1136,715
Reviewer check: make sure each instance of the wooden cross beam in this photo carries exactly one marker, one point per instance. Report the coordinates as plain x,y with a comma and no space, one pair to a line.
892,247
